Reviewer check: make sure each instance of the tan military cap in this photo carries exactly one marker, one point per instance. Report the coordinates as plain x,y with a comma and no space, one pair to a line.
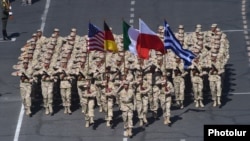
160,27
214,25
181,27
198,26
34,35
39,30
73,29
56,30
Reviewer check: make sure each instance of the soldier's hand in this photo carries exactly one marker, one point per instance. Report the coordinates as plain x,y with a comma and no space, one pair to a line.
11,17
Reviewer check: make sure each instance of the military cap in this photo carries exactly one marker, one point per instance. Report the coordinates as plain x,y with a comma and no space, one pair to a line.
214,25
160,27
181,26
34,35
198,26
73,29
56,30
39,30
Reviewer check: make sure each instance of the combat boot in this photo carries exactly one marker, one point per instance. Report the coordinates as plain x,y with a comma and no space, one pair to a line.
141,122
87,124
145,119
65,110
201,103
125,133
100,108
46,110
218,100
5,36
168,120
68,109
196,104
50,108
130,132
165,121
214,104
28,112
181,104
108,123
91,120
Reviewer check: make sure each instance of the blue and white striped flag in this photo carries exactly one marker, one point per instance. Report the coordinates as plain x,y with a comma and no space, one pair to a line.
171,42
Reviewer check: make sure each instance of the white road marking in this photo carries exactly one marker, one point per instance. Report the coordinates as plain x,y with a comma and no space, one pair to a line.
242,93
20,118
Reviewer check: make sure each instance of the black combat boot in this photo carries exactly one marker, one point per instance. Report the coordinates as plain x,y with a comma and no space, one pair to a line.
5,36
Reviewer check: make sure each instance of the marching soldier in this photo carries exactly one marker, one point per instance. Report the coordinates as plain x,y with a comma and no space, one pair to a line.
98,71
108,99
178,80
142,89
127,107
197,84
167,90
65,85
25,85
89,95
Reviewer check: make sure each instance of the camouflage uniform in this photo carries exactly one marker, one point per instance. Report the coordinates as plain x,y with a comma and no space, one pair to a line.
127,107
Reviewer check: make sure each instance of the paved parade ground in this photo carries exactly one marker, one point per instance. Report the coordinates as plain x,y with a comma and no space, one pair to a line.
232,17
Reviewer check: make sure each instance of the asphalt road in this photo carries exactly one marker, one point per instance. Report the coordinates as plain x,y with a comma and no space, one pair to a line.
187,124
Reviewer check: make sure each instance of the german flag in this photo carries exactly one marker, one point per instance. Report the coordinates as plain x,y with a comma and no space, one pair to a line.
109,41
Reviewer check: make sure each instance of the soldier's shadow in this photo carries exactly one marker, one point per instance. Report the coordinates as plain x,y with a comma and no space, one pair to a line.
116,119
137,130
98,122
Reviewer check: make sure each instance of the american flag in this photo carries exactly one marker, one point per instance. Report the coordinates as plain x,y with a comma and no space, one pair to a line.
95,38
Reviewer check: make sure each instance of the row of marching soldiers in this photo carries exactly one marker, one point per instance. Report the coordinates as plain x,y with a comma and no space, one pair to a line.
120,78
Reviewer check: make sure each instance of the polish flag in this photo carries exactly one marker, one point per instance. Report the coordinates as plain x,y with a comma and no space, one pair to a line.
147,40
